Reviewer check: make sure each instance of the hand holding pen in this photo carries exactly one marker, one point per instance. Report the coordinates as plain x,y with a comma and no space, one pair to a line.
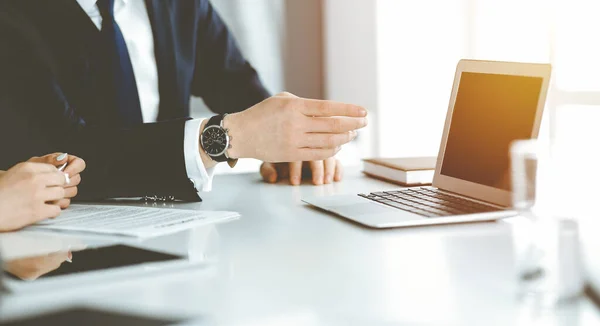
72,166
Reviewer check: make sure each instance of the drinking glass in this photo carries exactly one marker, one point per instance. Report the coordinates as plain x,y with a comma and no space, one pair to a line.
547,256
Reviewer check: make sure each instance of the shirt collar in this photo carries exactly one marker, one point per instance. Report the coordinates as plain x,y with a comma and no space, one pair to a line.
89,6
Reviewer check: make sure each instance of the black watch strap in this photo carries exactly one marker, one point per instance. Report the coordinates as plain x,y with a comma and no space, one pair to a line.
216,121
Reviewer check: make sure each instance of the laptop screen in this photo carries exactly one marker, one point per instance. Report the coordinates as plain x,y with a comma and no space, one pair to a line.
491,111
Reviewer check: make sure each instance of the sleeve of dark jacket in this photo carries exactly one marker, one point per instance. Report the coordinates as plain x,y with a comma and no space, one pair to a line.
36,118
223,77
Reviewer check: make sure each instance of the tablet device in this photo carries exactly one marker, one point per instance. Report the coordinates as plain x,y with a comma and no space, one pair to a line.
88,317
88,265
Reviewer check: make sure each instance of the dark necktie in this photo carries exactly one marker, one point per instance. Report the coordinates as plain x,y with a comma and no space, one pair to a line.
126,96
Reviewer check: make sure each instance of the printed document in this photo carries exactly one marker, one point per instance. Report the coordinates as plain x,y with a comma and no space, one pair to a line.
131,221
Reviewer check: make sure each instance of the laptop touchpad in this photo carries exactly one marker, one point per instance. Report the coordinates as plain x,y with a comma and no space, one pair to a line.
361,209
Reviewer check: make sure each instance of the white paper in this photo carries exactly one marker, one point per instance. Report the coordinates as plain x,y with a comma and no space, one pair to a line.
131,221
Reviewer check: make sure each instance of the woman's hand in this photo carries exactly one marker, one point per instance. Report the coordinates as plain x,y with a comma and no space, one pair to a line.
74,167
29,192
32,268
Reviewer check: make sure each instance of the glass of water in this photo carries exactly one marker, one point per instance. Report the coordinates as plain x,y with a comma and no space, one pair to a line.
547,250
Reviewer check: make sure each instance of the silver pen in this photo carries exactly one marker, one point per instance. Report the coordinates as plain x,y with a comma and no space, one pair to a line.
62,167
60,158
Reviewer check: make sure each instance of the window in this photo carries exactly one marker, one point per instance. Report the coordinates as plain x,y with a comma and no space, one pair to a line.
398,58
419,43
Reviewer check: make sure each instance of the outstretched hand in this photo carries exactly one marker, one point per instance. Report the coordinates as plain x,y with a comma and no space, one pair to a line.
286,128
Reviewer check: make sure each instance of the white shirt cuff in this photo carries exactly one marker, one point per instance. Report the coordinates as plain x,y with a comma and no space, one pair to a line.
196,172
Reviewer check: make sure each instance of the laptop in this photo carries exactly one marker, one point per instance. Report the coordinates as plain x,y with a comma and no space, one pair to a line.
491,105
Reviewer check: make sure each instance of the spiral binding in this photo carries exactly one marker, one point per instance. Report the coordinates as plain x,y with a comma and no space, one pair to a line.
157,199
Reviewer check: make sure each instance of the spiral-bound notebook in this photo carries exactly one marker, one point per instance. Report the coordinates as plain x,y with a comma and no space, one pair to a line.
407,171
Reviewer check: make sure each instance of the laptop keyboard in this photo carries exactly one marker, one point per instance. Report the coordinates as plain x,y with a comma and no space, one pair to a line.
428,202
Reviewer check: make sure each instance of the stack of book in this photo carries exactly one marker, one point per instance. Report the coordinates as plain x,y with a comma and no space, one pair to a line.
407,171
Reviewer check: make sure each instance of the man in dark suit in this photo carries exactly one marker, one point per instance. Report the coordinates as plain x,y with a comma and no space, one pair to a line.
111,81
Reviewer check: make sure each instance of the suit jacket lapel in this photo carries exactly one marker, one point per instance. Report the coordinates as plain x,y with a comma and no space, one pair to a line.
77,44
69,27
164,49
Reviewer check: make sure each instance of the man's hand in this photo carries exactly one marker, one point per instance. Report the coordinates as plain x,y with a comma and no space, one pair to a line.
321,172
286,128
75,166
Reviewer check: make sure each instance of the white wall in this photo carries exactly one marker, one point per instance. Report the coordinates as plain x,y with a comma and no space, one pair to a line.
419,44
351,73
397,58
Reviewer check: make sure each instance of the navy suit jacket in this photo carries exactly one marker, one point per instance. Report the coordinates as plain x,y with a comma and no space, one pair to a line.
53,92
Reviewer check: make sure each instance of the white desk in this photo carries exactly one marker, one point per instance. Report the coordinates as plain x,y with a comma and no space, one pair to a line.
287,263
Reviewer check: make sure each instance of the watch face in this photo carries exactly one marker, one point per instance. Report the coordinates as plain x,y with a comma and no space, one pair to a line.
214,140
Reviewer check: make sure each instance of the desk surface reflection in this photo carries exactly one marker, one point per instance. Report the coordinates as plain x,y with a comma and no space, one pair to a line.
285,261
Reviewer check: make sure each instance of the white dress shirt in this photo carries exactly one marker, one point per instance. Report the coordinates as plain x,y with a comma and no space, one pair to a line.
133,20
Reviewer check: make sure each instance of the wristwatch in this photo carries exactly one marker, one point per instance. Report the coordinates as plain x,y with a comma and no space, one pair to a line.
215,140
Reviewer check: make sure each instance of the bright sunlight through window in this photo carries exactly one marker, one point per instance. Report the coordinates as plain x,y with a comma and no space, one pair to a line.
420,43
